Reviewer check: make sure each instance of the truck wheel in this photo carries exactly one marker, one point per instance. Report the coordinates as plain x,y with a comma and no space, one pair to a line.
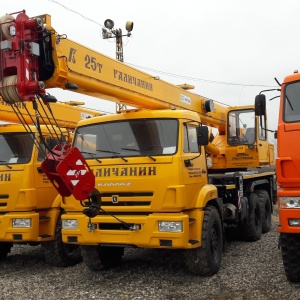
266,211
59,254
206,260
252,227
90,256
290,245
97,258
5,249
111,256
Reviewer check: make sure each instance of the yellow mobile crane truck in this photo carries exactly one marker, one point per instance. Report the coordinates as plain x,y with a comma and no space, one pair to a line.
29,209
153,176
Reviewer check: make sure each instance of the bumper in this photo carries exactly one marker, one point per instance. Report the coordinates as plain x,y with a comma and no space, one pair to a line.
42,226
10,234
147,236
284,216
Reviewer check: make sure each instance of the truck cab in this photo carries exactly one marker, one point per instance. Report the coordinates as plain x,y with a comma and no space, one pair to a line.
29,207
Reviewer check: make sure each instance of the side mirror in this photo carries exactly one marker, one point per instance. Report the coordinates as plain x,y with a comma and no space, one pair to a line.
275,135
260,105
202,136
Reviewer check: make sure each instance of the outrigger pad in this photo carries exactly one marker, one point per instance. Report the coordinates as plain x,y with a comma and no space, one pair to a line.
68,171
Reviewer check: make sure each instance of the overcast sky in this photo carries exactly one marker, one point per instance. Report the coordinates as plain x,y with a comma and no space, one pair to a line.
229,50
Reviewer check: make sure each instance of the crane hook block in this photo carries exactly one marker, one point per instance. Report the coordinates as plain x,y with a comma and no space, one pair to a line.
68,171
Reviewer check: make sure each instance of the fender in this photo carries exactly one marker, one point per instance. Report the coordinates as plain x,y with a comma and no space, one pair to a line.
57,202
207,193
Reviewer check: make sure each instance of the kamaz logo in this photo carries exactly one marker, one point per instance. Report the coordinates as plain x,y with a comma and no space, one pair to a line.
115,184
5,177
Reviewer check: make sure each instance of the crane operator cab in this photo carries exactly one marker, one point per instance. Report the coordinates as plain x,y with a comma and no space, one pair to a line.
241,127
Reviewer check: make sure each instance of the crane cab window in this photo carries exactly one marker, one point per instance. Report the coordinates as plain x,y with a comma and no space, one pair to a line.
190,139
241,127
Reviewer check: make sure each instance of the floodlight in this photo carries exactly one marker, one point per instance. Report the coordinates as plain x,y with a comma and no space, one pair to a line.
109,24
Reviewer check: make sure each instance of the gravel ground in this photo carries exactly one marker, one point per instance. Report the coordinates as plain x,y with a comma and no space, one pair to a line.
249,271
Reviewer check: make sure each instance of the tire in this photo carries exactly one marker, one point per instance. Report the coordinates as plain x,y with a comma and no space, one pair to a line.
206,260
111,256
90,256
252,227
290,245
97,258
59,254
266,210
5,248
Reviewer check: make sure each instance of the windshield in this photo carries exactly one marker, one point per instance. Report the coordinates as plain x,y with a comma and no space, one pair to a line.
16,148
291,105
143,137
241,127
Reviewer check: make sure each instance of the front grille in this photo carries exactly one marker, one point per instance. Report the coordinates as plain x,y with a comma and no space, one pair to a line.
125,199
126,203
128,194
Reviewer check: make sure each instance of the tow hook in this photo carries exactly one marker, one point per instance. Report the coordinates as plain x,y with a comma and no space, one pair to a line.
91,226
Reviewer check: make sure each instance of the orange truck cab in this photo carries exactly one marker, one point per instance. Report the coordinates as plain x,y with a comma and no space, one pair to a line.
288,172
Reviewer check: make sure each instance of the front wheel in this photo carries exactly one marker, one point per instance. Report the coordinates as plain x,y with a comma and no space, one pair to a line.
206,260
90,256
111,256
5,248
97,258
59,254
290,245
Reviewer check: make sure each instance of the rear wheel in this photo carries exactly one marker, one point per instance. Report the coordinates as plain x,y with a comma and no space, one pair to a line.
290,245
5,249
206,260
59,254
266,210
252,226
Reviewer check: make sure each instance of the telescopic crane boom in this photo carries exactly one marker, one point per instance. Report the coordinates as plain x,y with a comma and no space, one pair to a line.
67,114
36,57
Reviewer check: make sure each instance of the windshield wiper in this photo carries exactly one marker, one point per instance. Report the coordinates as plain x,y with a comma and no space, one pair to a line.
113,152
92,156
289,102
139,151
6,165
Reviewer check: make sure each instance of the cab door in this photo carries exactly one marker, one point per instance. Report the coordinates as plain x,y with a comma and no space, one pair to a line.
193,162
45,191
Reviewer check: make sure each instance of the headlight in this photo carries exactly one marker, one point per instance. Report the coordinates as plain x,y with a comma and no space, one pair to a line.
21,223
69,224
289,202
166,226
